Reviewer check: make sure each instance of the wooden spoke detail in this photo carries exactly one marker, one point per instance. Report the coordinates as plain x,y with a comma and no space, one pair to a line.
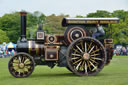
79,49
76,54
96,58
21,65
86,56
74,58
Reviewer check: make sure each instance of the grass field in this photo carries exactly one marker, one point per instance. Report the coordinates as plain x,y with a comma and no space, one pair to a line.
114,74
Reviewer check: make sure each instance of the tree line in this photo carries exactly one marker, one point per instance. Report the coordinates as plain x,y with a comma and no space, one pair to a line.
10,24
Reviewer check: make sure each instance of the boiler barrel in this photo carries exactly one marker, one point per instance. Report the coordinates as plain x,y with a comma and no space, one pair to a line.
35,48
31,47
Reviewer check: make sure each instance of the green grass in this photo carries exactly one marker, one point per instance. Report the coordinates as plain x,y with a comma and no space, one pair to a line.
114,74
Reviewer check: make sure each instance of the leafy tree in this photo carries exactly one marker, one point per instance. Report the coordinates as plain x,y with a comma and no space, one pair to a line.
100,13
79,16
31,31
11,24
3,37
53,23
120,33
40,17
120,14
33,20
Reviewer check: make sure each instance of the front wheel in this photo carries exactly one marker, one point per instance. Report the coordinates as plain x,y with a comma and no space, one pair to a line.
86,56
21,65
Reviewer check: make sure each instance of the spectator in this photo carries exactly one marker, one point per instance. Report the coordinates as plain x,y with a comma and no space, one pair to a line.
9,53
6,53
127,51
118,52
121,52
0,53
124,51
12,53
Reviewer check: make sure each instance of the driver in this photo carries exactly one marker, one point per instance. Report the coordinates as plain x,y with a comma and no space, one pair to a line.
99,31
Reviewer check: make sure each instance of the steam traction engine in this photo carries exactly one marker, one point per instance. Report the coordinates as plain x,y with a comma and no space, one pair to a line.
76,49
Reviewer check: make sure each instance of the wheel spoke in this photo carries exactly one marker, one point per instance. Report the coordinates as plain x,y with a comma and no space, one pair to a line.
76,54
94,54
74,58
15,64
27,60
78,65
95,51
86,69
82,45
90,46
19,59
93,61
96,58
28,67
94,67
77,61
25,69
15,68
15,61
91,49
79,49
89,65
85,47
76,50
27,63
22,60
82,66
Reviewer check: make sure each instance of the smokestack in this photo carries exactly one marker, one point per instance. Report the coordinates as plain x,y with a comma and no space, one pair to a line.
23,25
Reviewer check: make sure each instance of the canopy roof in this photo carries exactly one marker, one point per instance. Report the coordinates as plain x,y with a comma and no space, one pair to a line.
68,21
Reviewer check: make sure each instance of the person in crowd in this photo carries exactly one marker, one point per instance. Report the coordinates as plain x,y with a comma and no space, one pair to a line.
127,50
0,52
12,53
123,51
3,52
9,54
118,52
6,53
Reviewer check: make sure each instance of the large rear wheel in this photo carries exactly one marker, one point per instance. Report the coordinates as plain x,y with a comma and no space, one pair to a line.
86,56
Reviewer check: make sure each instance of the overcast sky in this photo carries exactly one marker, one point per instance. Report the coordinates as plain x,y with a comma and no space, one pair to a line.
71,7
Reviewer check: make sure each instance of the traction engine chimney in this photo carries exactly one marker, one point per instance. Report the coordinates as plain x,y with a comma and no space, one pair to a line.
23,25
